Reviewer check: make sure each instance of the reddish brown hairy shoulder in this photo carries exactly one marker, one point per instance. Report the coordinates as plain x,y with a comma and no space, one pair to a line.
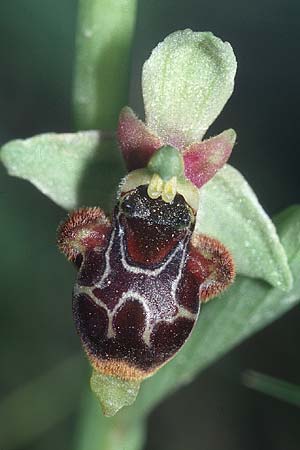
212,264
84,228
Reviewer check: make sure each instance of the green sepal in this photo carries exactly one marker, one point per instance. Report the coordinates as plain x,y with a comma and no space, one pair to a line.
229,211
186,82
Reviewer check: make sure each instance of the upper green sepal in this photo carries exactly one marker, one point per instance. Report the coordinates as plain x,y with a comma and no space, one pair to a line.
186,82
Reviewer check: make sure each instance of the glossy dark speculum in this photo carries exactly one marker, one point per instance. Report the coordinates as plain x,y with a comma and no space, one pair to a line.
135,302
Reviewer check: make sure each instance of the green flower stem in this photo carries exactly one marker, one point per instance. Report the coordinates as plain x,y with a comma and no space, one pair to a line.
104,38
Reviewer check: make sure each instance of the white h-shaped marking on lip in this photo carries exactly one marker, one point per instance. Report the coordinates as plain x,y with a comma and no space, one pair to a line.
182,312
127,266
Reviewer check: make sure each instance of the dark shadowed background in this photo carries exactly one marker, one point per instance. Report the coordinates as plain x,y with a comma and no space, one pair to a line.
36,329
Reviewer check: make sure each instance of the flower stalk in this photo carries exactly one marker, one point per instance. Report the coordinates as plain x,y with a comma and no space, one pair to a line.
104,39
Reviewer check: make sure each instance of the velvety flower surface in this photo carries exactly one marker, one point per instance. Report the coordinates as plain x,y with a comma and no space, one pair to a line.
186,82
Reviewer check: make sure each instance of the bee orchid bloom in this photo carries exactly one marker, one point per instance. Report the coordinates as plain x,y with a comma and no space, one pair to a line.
143,273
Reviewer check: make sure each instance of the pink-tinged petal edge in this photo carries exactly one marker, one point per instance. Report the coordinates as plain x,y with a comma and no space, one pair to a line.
136,142
202,160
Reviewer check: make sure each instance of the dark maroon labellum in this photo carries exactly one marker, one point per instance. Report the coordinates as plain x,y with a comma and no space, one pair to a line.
140,280
129,303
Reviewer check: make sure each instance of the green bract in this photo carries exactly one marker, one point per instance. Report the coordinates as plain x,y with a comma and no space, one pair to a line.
186,82
229,210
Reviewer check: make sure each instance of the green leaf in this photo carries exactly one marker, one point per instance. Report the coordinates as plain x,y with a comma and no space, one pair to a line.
290,236
104,37
71,169
186,82
229,210
246,307
113,393
272,386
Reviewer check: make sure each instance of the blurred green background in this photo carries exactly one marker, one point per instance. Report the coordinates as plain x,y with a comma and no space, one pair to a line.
36,329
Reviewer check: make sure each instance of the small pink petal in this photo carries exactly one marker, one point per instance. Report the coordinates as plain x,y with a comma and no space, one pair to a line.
202,160
137,143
